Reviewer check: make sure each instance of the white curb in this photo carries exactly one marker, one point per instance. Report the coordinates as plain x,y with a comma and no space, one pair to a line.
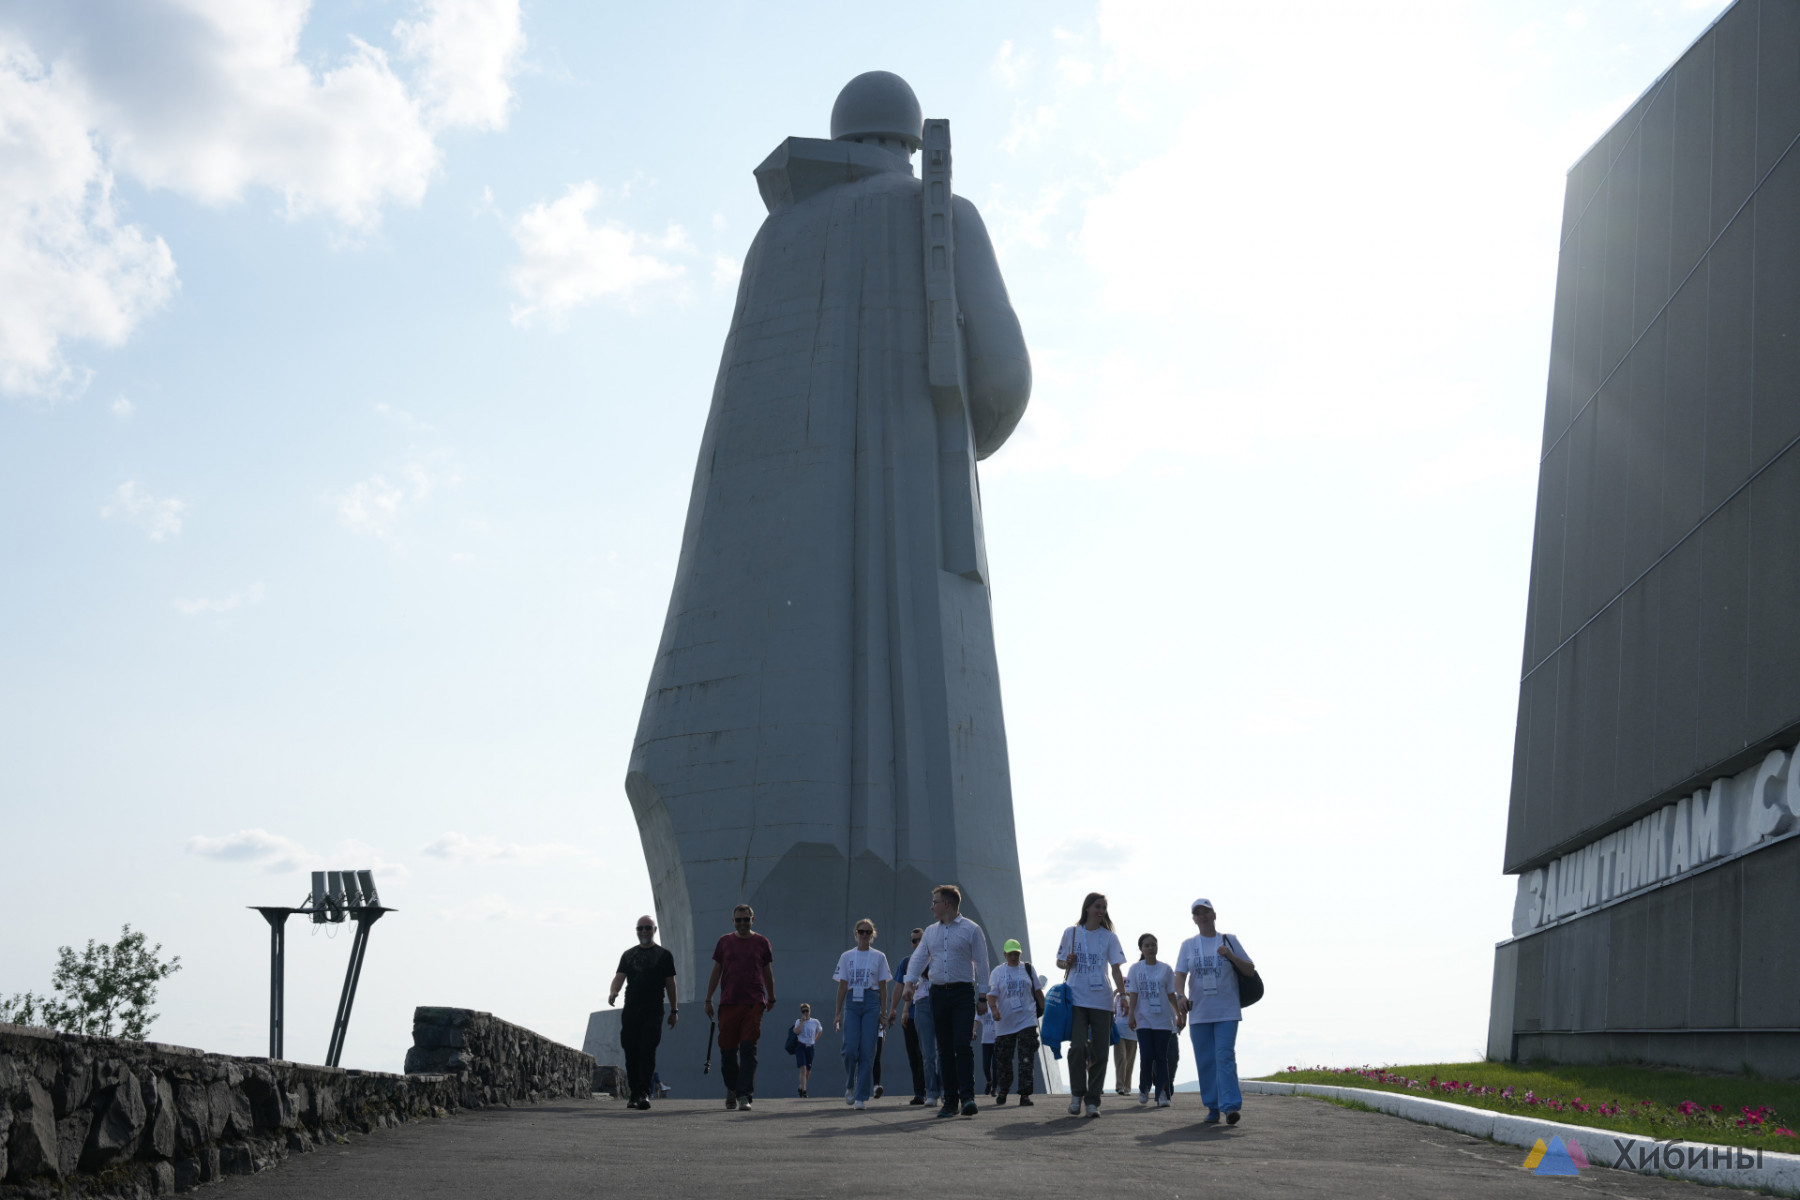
1736,1166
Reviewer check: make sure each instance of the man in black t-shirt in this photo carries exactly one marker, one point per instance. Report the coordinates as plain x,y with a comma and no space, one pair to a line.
646,971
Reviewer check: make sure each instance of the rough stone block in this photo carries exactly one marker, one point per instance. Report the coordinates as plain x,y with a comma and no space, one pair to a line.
237,1159
159,1134
71,1138
162,1178
187,1172
31,1143
74,1084
118,1125
193,1115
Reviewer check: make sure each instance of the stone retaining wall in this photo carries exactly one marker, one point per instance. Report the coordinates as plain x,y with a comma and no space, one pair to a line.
493,1061
90,1116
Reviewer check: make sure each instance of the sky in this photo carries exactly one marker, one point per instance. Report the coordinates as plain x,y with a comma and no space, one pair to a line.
353,363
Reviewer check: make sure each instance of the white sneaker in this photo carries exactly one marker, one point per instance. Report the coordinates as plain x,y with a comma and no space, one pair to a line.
1162,1102
1075,1106
1143,1097
859,1106
849,1095
1093,1110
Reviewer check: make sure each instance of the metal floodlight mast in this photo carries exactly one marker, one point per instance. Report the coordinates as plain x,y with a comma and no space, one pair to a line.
336,895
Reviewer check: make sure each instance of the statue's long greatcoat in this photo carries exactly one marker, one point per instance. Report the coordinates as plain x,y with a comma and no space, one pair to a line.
822,735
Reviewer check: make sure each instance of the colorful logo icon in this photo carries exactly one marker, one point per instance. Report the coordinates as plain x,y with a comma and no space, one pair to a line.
1558,1158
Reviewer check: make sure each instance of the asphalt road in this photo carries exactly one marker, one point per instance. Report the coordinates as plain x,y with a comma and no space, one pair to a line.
1286,1146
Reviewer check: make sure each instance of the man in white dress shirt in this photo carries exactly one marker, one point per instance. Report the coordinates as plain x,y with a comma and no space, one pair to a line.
955,951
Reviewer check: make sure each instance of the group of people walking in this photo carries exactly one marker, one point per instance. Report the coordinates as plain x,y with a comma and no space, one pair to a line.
946,1001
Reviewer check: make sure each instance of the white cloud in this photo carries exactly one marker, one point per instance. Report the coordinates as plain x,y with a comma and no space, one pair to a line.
1081,857
209,99
1029,125
726,271
1011,67
244,598
458,847
494,907
122,407
370,505
70,270
374,505
566,260
1075,72
161,519
275,852
468,51
356,855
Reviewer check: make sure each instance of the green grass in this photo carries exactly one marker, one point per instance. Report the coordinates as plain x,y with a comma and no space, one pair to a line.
1681,1104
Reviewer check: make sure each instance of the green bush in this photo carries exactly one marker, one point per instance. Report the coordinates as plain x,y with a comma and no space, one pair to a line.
105,991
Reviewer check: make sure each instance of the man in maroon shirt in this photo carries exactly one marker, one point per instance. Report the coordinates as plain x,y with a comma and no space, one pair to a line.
741,960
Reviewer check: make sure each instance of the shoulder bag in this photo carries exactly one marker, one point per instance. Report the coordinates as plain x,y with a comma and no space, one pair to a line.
1250,987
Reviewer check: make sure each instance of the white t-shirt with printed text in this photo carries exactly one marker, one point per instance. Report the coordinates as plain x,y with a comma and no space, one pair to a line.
862,969
1013,986
808,1030
1212,980
1153,987
1094,950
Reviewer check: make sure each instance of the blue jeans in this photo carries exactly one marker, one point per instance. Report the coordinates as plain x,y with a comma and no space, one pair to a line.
921,1015
1215,1057
862,1027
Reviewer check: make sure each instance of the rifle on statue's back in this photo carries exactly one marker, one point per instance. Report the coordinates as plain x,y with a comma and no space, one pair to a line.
959,497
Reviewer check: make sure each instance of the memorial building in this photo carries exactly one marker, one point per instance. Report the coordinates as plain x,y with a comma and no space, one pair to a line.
1654,821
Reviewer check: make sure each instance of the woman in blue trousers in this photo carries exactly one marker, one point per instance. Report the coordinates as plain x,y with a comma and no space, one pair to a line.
1208,968
862,975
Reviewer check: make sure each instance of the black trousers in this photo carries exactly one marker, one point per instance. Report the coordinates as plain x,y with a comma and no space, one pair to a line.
640,1033
953,1014
876,1073
915,1056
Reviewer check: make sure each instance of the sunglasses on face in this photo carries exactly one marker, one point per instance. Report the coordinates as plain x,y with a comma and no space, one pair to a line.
642,927
740,920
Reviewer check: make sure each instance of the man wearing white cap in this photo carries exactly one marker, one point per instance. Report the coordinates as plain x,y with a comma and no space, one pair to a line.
1208,968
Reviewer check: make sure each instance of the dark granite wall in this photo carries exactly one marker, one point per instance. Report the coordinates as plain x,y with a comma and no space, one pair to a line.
1662,647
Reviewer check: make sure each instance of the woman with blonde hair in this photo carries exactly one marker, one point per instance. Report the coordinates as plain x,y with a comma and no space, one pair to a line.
862,992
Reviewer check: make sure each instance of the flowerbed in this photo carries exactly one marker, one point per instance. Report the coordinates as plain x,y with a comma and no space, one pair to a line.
1636,1100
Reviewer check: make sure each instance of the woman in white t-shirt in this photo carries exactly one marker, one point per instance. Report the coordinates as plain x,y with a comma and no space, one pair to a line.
1208,967
1087,952
1150,989
806,1033
862,992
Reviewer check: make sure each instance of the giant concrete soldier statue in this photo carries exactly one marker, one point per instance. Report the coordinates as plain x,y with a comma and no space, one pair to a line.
822,736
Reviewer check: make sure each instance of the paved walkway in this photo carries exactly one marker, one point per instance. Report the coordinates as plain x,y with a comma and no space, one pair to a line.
805,1148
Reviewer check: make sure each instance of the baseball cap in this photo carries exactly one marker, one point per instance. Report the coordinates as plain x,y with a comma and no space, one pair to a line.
1012,944
1200,903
